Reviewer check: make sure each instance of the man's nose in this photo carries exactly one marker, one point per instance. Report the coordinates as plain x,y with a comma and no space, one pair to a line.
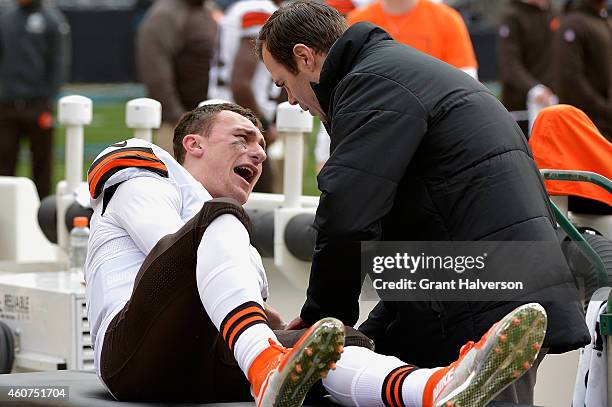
259,154
291,99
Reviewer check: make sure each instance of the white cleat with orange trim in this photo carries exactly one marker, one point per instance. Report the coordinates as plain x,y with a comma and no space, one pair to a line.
281,377
485,368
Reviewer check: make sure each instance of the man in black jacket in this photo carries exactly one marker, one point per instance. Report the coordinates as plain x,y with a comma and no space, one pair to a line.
419,152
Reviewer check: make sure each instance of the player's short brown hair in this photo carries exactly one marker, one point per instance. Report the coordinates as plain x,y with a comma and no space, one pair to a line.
200,120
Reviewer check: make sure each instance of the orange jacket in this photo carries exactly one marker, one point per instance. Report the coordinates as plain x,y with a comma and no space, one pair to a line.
564,138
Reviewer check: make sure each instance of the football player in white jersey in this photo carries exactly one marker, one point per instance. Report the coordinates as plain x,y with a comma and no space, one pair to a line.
176,293
237,75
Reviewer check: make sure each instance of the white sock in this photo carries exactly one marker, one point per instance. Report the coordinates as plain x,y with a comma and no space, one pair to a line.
230,290
360,376
414,386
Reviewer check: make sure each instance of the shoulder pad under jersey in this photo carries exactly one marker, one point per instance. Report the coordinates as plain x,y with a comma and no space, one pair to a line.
120,156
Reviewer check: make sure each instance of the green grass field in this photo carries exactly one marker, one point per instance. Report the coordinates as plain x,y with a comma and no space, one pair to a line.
107,127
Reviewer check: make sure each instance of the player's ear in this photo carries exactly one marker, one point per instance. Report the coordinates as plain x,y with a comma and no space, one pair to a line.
192,143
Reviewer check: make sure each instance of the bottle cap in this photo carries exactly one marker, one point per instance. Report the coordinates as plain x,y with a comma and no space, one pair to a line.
80,222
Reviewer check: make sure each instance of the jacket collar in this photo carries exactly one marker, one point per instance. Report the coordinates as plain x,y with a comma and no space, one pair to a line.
343,56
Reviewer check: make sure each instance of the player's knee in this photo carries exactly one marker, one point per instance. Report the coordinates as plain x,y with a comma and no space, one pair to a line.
354,337
221,206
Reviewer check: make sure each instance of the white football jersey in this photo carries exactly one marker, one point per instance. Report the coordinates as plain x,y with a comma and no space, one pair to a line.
152,196
243,19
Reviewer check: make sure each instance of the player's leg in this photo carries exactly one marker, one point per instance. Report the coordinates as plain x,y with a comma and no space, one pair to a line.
353,339
232,296
163,345
10,129
364,378
40,133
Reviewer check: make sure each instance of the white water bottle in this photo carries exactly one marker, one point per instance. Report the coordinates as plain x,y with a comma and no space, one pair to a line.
79,235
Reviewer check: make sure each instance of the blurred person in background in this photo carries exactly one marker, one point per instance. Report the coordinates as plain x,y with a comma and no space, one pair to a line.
429,26
584,61
346,6
435,29
524,53
238,76
174,49
34,64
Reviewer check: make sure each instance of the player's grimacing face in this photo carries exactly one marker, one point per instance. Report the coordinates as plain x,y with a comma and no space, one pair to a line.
233,155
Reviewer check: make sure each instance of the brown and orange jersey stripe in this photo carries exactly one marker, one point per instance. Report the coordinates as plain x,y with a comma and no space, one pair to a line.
254,18
342,6
109,164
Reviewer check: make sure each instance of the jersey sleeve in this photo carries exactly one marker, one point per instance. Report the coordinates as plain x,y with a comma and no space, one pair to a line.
147,208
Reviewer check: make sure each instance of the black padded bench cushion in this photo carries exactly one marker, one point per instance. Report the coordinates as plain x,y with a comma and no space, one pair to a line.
87,391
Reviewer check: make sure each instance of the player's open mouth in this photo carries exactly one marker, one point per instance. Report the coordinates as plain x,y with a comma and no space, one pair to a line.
246,172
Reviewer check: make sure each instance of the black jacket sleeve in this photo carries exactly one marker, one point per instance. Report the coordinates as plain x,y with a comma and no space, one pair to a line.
376,127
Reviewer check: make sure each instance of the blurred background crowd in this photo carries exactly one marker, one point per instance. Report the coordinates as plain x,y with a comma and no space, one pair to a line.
531,53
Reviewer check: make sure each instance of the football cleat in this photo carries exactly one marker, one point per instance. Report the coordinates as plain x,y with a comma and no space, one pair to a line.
487,367
281,377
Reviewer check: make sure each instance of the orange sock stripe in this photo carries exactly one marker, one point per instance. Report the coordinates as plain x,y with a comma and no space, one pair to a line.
243,326
397,388
228,326
395,397
387,395
239,319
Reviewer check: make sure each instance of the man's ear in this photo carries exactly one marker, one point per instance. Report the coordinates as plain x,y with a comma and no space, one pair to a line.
305,57
193,145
